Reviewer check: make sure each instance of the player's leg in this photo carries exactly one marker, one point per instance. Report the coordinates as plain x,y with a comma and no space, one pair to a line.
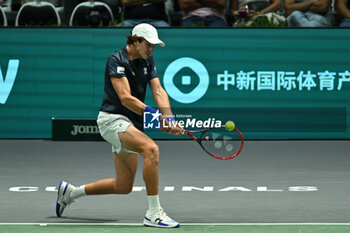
110,125
127,142
135,140
125,164
120,132
131,140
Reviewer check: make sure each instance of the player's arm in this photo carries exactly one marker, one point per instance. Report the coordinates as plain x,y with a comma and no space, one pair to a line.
160,97
162,100
122,88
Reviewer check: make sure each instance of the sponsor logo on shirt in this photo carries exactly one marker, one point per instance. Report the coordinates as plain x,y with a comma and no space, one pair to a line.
120,70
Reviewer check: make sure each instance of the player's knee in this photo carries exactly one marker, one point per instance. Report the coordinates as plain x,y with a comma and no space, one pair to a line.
126,189
154,149
152,152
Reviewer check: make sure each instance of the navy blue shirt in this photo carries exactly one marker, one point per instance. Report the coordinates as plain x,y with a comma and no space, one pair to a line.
138,72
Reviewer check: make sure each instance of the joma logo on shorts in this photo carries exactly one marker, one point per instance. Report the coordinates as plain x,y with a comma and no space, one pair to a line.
84,129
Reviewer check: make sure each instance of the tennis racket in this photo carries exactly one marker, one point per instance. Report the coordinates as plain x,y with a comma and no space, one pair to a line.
218,142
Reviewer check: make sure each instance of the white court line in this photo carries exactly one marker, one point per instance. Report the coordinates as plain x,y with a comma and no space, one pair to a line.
183,224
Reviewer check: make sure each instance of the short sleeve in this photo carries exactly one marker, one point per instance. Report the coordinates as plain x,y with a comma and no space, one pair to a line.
115,67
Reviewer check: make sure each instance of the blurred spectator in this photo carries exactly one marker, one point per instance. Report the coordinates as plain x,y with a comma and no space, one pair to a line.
309,13
259,13
69,6
54,2
145,11
261,6
203,13
1,2
343,8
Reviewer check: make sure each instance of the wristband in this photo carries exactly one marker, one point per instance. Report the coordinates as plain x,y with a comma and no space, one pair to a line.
150,109
171,118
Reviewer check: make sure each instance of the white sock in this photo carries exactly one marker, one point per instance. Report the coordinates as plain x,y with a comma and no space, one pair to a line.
78,192
153,203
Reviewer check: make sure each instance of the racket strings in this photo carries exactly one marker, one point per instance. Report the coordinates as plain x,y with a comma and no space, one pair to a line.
221,143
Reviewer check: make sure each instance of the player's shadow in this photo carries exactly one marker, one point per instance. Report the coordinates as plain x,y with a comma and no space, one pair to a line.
71,219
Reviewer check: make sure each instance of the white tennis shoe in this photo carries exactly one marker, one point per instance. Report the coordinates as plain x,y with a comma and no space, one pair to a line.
159,219
63,197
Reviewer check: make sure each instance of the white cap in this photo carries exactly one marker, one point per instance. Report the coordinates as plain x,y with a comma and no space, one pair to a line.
148,32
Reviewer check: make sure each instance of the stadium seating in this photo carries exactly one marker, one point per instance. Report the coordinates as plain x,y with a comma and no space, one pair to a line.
38,13
3,19
91,13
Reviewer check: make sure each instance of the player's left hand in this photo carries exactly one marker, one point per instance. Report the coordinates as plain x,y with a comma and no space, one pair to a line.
171,127
176,129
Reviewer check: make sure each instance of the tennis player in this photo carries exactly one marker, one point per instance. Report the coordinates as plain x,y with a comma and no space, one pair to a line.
120,121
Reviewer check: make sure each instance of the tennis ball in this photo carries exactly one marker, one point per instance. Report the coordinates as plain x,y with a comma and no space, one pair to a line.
230,125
